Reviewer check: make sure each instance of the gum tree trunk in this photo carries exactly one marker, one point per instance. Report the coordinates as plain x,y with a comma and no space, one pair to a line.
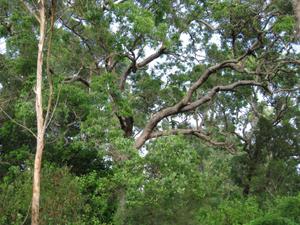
40,120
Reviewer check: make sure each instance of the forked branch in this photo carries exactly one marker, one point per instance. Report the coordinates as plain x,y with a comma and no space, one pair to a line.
134,66
187,104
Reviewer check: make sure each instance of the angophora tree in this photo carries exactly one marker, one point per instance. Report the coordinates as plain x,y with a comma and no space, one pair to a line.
254,47
201,51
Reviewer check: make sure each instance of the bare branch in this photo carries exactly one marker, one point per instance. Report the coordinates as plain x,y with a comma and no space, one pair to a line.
135,66
152,57
185,105
19,124
286,90
211,27
76,77
196,132
215,90
55,106
124,76
80,36
228,146
31,9
173,132
240,137
48,70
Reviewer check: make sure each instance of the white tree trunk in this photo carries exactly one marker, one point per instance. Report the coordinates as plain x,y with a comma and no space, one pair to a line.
40,120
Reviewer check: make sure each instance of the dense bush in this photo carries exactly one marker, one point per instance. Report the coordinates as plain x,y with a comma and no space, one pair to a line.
61,202
272,220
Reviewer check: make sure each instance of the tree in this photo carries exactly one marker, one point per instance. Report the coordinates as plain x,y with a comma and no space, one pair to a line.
136,71
42,121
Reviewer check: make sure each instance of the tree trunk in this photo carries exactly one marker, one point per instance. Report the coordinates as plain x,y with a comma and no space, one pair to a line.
297,14
40,120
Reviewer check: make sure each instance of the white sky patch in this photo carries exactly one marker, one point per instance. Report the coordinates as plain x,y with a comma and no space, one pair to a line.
2,46
115,27
216,39
2,51
184,38
58,24
296,48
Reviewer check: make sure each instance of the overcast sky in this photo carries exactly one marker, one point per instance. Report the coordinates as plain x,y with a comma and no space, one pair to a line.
2,46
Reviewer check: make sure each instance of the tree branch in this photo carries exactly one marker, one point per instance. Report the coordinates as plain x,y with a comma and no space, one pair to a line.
211,27
17,123
135,66
184,104
215,90
76,77
31,10
188,107
80,36
48,70
55,106
196,132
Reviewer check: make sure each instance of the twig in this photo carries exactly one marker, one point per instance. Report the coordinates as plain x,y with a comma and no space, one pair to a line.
26,214
31,10
19,124
48,70
55,106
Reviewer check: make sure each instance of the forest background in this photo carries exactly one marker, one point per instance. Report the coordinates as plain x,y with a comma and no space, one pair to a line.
153,112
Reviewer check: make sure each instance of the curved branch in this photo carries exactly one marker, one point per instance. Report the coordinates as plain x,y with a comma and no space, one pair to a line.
135,66
197,133
216,89
77,78
152,57
80,36
185,105
182,107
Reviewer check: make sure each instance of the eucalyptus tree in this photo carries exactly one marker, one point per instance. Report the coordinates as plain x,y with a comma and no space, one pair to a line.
42,120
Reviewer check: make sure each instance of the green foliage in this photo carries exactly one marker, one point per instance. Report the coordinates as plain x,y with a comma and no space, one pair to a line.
284,210
289,207
285,24
270,164
170,182
272,220
99,205
92,173
61,201
235,211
